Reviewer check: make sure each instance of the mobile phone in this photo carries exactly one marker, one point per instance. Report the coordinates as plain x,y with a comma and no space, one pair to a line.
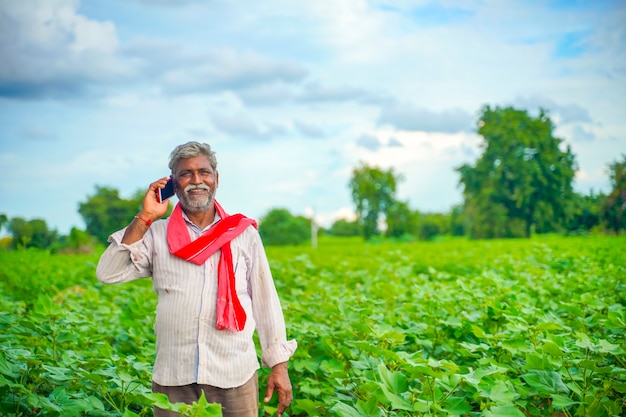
166,192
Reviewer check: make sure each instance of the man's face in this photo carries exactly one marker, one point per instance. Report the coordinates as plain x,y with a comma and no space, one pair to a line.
195,183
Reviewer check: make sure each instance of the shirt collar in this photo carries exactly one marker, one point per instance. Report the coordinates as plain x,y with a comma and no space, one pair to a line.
195,227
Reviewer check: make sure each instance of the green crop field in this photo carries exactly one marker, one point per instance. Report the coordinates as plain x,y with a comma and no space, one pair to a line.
454,327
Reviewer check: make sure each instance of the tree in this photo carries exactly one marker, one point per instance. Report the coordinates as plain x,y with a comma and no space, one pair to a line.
373,193
457,220
585,212
343,227
523,177
105,212
614,207
31,233
280,228
430,225
78,241
401,220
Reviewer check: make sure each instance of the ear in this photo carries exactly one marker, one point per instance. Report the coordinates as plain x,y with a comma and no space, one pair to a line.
217,179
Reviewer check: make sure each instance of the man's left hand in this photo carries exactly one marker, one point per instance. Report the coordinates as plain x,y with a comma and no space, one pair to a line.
279,381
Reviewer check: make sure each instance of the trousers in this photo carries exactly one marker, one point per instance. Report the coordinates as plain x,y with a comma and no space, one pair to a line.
241,401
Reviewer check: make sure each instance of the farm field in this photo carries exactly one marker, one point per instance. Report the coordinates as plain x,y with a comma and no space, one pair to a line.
454,327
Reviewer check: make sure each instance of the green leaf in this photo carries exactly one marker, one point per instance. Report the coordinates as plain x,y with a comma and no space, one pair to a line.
607,347
38,401
593,366
393,385
208,409
548,326
503,411
161,400
59,374
95,402
560,401
502,392
421,406
394,381
475,377
395,401
552,348
344,410
478,332
370,408
7,368
536,361
457,406
545,382
583,341
305,405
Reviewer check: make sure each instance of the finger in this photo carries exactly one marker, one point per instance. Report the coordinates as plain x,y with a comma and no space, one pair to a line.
269,392
160,183
281,410
284,399
155,187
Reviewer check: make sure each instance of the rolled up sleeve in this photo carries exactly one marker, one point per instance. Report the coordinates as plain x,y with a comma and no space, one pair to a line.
123,263
278,353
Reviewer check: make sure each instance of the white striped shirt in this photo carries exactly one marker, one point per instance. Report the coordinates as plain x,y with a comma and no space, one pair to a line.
189,348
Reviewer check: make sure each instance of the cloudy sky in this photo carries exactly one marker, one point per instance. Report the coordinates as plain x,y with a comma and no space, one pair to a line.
292,95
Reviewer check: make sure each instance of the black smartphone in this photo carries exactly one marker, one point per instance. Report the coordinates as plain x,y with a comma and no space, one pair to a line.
166,192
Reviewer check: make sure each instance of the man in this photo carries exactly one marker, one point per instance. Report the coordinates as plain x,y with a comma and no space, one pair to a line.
214,287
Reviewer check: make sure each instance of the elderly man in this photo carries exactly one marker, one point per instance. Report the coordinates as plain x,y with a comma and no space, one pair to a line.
214,287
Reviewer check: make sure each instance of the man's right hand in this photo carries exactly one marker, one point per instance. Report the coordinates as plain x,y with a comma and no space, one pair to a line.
151,210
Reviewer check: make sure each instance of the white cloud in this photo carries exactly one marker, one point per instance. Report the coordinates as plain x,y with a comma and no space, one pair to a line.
228,69
559,113
368,142
50,49
407,117
315,92
309,130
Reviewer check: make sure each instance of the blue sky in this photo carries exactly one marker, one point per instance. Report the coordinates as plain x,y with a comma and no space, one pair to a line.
293,95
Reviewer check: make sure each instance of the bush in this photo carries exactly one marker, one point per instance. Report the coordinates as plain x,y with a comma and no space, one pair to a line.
280,228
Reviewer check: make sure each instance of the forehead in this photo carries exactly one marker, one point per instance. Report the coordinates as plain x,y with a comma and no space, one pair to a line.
194,163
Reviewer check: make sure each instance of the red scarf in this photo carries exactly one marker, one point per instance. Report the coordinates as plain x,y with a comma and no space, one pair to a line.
230,313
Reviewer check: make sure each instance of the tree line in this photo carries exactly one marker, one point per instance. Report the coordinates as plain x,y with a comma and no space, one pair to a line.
521,184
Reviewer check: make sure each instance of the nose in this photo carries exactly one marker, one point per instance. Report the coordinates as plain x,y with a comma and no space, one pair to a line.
196,178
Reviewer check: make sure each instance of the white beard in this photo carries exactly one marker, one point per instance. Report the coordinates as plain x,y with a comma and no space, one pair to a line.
196,204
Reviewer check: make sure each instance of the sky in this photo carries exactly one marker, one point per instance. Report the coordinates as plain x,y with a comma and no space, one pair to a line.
293,95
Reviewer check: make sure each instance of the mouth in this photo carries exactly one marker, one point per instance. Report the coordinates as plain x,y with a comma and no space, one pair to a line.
197,192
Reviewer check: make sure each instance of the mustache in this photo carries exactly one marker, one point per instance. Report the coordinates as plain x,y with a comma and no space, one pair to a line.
197,187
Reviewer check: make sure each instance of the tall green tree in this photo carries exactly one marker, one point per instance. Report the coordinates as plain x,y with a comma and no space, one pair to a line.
614,207
279,228
373,193
105,211
523,177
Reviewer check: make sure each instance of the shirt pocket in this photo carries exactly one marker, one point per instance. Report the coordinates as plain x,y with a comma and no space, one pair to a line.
241,274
